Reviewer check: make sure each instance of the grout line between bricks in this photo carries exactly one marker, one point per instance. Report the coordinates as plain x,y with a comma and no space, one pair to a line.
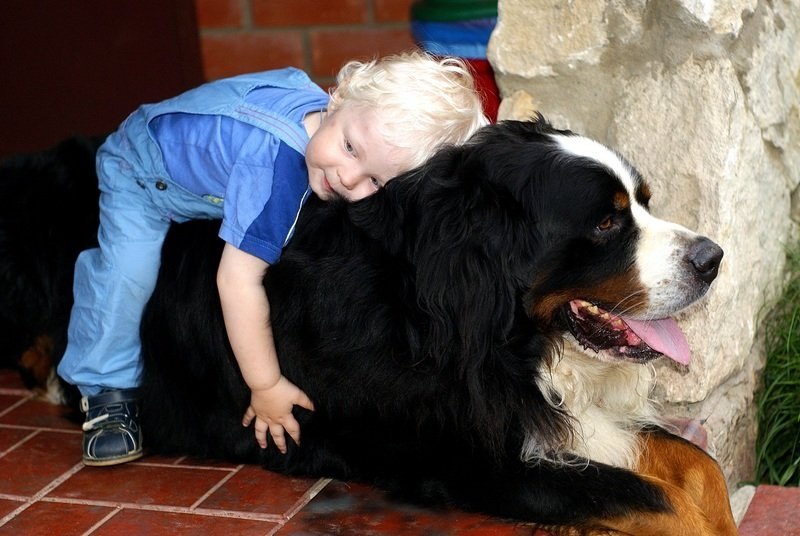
206,512
27,438
41,493
16,404
214,488
102,522
301,503
178,465
40,428
10,391
307,497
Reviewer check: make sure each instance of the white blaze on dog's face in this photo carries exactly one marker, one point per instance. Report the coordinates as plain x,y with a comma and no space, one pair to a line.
662,263
671,268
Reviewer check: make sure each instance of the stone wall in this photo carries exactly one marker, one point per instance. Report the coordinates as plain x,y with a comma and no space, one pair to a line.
702,97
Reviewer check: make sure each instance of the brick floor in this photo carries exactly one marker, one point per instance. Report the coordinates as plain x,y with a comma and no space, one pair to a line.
46,489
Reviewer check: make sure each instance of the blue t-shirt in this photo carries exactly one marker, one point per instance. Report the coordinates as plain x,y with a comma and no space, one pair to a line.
260,181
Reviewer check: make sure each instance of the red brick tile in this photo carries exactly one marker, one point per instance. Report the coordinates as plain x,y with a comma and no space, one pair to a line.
773,511
308,12
219,13
41,414
330,49
8,400
46,519
7,506
38,461
144,522
256,490
11,436
357,510
392,10
140,484
231,54
10,379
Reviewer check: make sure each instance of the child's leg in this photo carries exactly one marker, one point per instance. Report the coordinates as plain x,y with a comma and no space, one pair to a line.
112,285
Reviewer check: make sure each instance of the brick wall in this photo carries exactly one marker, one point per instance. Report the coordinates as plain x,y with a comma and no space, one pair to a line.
317,36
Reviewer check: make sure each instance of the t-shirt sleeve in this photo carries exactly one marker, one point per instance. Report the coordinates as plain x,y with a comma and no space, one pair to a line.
263,201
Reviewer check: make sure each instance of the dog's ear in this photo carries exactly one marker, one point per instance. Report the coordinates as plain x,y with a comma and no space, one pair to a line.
468,296
467,262
458,225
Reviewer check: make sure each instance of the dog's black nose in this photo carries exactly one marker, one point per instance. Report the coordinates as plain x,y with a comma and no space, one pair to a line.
706,257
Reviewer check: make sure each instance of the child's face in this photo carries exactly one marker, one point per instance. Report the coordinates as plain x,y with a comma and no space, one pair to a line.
348,157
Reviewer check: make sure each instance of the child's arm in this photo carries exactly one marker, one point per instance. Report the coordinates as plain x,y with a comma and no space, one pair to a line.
245,308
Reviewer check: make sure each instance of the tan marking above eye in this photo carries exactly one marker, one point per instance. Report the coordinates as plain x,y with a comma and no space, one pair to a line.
644,193
621,201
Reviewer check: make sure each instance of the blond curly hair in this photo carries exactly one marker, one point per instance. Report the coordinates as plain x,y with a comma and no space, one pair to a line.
424,101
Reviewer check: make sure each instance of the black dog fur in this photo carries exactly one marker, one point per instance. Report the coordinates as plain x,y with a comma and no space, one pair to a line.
50,215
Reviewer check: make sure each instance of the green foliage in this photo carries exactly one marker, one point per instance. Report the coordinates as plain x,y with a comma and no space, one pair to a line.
778,403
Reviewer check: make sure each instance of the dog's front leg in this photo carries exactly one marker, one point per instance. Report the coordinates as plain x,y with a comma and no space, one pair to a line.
683,465
692,484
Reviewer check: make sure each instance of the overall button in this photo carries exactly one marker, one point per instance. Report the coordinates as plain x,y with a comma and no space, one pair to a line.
161,185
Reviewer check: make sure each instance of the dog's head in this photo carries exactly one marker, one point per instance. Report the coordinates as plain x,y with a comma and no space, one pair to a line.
614,272
529,218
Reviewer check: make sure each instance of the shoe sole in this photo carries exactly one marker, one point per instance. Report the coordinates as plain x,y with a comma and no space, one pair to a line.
113,461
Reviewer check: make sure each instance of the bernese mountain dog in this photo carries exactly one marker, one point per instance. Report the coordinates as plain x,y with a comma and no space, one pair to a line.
477,334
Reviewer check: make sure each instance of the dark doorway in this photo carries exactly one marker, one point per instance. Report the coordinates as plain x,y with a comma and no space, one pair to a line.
80,67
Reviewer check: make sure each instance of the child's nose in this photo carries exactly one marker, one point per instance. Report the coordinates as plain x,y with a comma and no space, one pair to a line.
349,178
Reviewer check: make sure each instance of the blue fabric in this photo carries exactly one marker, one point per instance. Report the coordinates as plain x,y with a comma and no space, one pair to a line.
140,198
237,165
466,39
271,229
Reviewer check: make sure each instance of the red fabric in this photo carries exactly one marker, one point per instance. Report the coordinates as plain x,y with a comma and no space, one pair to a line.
486,85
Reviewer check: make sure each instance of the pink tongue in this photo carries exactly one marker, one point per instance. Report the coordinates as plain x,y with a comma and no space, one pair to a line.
663,336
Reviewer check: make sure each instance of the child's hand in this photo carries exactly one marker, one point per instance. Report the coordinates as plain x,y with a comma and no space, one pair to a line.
272,410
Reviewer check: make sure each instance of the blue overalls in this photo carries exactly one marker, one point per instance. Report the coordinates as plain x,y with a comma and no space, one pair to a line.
138,201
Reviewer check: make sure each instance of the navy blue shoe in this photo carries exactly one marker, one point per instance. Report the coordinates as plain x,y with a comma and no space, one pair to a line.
111,432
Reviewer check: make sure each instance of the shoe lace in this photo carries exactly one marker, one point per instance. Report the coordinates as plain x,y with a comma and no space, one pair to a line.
91,423
113,416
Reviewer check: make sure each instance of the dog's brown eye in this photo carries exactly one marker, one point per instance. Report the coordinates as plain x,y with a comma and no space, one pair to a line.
606,224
